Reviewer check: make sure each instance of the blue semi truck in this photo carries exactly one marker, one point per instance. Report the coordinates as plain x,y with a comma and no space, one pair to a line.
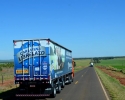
41,67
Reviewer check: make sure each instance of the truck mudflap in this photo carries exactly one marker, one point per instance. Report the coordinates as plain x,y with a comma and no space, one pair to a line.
32,95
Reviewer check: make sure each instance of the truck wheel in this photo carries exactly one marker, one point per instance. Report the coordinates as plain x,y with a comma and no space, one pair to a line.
63,84
59,88
53,95
70,79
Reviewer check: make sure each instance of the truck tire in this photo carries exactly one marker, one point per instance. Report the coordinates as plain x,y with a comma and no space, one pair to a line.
70,79
59,88
53,95
63,84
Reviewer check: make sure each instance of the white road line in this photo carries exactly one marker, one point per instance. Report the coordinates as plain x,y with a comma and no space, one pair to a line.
102,87
76,82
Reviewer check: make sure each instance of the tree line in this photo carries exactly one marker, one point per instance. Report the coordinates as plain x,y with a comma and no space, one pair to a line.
10,64
100,58
97,59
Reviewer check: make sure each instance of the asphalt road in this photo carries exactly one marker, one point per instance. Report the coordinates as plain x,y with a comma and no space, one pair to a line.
86,86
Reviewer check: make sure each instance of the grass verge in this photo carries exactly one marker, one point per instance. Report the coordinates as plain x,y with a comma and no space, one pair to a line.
80,64
7,74
113,86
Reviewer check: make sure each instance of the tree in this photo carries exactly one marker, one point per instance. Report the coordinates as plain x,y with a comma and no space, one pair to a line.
96,60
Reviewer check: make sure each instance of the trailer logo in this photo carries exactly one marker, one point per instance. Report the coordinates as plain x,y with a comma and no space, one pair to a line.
44,66
26,52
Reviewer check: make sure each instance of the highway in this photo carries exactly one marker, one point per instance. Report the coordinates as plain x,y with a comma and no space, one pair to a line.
86,86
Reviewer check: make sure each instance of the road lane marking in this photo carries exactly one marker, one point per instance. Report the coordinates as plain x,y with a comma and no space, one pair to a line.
84,73
76,82
102,87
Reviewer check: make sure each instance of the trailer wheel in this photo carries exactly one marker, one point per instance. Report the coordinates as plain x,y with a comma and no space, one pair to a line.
59,88
53,95
63,84
70,79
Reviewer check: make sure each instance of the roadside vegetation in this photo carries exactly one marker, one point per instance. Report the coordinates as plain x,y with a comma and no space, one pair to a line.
112,75
6,65
112,85
116,64
6,70
6,76
82,63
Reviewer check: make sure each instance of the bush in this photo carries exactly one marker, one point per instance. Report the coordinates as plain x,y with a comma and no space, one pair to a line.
0,68
114,69
8,65
123,71
119,70
109,68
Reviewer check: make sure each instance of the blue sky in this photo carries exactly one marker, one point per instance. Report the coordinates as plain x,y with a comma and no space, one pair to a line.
90,28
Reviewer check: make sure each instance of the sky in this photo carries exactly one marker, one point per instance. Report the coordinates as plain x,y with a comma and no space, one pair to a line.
90,28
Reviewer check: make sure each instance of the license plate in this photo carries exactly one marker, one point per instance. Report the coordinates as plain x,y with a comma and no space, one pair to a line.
32,85
21,71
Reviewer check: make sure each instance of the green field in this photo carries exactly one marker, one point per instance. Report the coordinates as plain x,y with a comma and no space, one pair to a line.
80,64
116,62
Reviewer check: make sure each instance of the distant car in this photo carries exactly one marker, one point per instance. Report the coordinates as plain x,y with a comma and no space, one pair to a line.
91,64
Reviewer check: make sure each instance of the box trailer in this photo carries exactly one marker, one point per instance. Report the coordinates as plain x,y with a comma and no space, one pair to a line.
41,67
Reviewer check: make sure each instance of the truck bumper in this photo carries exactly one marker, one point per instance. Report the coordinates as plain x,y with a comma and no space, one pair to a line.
32,95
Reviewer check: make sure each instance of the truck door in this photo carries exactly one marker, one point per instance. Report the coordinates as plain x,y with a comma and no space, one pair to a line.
28,58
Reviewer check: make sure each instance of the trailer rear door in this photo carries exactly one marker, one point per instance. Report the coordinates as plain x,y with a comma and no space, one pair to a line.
31,59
